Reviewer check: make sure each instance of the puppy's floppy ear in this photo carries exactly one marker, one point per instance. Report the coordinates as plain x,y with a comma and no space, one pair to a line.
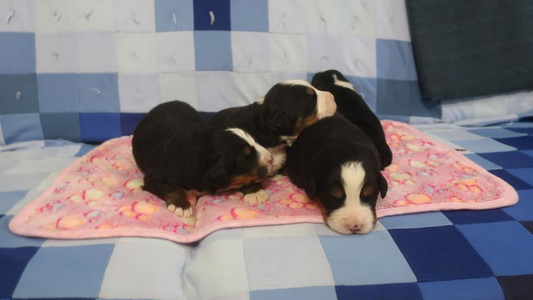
216,175
383,186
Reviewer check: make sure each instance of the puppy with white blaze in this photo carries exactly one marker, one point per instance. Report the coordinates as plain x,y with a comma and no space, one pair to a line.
338,166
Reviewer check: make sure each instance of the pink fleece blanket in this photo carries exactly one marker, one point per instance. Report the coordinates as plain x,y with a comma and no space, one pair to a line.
100,195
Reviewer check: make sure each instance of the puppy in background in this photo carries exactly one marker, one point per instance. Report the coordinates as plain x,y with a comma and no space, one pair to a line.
178,151
338,165
354,108
276,120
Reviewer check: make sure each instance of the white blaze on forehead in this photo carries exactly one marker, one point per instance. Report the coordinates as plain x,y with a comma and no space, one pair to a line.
343,84
264,154
326,105
353,212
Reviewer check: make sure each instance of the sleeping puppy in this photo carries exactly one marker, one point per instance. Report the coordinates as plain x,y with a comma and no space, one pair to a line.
278,117
354,108
337,164
178,151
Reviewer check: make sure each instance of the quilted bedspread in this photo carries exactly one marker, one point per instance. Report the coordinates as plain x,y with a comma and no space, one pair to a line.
460,254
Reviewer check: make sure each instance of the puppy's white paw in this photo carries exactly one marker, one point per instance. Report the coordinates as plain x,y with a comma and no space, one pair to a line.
258,197
180,212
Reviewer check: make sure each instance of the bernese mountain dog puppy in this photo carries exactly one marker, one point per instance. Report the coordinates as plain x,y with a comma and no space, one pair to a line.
178,151
275,121
338,165
354,108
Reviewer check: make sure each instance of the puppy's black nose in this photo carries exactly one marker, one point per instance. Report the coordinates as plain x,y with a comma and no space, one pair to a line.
355,228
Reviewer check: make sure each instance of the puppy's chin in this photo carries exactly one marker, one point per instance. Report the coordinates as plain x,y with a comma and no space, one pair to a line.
352,220
278,155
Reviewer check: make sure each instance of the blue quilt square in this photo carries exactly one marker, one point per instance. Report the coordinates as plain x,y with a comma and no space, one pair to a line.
50,273
172,15
386,291
507,160
429,219
10,240
484,146
84,149
64,126
17,52
348,254
13,262
311,293
522,128
402,97
464,289
207,59
528,225
96,128
476,216
58,92
523,209
485,163
18,94
367,88
524,143
128,122
21,127
496,133
525,174
249,15
440,253
512,180
528,152
9,199
505,246
517,287
212,15
98,92
395,60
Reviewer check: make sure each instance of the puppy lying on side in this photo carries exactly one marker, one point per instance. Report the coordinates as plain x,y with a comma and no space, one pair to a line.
337,164
275,120
177,151
354,108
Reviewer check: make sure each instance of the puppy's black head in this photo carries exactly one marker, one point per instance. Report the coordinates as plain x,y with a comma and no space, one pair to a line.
237,160
327,80
292,105
348,194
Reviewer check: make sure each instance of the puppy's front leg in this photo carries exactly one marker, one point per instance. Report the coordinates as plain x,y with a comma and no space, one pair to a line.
254,193
175,197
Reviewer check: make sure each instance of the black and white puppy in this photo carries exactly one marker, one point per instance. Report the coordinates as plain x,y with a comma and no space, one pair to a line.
354,108
337,164
277,118
178,151
275,121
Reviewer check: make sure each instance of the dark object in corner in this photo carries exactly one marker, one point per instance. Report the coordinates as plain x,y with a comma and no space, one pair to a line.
471,48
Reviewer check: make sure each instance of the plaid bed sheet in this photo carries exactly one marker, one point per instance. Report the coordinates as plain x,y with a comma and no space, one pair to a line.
440,255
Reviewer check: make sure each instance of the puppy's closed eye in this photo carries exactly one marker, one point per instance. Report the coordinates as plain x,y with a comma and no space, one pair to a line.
247,150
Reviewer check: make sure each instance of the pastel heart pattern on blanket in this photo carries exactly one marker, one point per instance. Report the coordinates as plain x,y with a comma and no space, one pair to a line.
100,195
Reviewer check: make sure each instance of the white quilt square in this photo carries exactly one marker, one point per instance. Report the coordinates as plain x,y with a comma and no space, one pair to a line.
93,15
138,93
249,87
286,262
287,16
251,51
56,52
358,18
136,52
17,15
96,52
219,265
145,269
323,16
288,52
391,19
215,90
134,16
359,55
179,86
175,51
324,53
55,15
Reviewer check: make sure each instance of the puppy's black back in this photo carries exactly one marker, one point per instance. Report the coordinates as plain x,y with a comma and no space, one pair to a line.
158,127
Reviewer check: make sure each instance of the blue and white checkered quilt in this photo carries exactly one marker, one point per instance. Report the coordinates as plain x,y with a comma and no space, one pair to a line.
485,254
